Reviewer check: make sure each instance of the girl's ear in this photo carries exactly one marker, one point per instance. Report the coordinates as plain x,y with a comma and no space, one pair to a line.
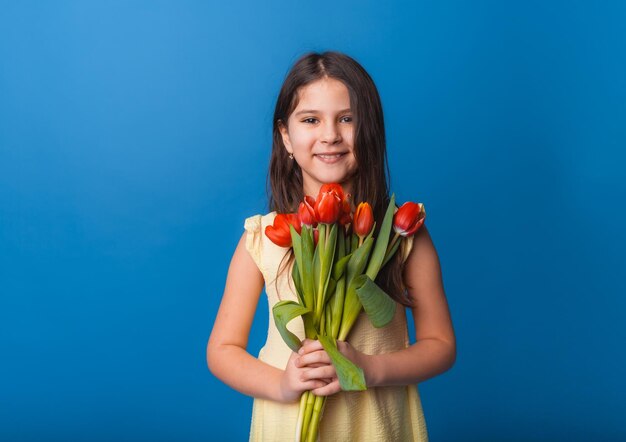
285,136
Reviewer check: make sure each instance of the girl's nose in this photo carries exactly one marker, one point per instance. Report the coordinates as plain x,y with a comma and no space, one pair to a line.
331,135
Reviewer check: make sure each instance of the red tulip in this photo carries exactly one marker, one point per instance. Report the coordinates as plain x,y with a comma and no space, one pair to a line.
316,236
306,211
409,218
336,191
279,233
363,220
346,217
332,188
328,207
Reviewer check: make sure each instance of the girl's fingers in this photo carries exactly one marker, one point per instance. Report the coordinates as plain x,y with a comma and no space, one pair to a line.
313,384
309,345
329,389
327,371
316,357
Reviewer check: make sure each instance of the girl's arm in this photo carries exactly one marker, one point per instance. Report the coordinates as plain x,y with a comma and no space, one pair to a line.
435,349
227,357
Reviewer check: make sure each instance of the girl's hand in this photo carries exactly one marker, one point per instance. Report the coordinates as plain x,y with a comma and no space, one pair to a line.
294,381
313,356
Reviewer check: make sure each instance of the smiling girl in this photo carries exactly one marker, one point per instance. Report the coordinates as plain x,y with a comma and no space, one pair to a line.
328,128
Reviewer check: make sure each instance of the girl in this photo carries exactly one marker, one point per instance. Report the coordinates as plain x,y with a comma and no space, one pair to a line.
328,128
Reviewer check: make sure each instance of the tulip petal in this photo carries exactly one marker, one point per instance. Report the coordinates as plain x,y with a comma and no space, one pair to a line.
278,236
363,219
409,218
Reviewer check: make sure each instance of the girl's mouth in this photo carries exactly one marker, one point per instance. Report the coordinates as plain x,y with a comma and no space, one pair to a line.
329,159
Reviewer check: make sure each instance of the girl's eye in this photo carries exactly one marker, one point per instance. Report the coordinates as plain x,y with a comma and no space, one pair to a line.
311,120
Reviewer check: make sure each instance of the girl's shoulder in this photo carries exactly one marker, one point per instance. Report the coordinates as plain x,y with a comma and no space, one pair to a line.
256,222
257,244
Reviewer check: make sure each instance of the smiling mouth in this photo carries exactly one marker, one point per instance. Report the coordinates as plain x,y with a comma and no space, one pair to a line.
330,157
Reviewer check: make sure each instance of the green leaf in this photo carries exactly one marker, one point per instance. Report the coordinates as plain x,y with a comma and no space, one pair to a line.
351,310
354,242
330,289
336,304
381,242
340,267
341,247
327,264
352,305
317,264
351,377
285,311
296,243
295,274
308,283
357,263
379,307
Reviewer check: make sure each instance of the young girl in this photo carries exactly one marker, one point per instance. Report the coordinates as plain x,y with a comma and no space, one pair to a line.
328,128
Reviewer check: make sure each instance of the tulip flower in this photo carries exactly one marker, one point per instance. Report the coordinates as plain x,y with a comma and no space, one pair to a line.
306,211
279,233
332,188
409,218
328,207
346,217
363,220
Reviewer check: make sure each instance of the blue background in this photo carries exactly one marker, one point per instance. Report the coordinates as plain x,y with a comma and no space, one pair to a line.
134,141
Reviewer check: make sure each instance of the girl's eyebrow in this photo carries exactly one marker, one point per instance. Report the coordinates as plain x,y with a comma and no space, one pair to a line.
314,111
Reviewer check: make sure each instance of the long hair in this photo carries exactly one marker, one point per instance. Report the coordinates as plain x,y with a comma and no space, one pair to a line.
284,181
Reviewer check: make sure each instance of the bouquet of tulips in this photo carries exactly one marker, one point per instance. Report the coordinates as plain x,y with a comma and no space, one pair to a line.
337,260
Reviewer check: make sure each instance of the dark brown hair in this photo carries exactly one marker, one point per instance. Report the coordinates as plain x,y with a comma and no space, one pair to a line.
370,183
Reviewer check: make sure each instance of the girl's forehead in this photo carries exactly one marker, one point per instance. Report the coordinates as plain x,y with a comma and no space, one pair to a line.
326,92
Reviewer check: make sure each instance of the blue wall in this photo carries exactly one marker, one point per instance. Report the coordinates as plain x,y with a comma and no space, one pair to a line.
134,140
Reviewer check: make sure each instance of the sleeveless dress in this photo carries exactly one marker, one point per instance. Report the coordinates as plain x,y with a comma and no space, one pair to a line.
378,414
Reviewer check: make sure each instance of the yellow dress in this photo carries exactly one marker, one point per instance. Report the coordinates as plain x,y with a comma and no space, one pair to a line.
377,414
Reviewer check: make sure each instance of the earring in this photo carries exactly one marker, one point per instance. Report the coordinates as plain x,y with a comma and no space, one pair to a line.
291,156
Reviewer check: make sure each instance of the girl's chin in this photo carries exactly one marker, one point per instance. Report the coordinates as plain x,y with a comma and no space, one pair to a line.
345,181
329,179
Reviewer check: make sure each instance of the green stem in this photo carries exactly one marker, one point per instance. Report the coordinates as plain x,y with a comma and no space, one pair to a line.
391,250
301,410
316,418
391,244
322,242
343,334
308,411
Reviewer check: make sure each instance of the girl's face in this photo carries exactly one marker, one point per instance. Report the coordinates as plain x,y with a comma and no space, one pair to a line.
320,135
